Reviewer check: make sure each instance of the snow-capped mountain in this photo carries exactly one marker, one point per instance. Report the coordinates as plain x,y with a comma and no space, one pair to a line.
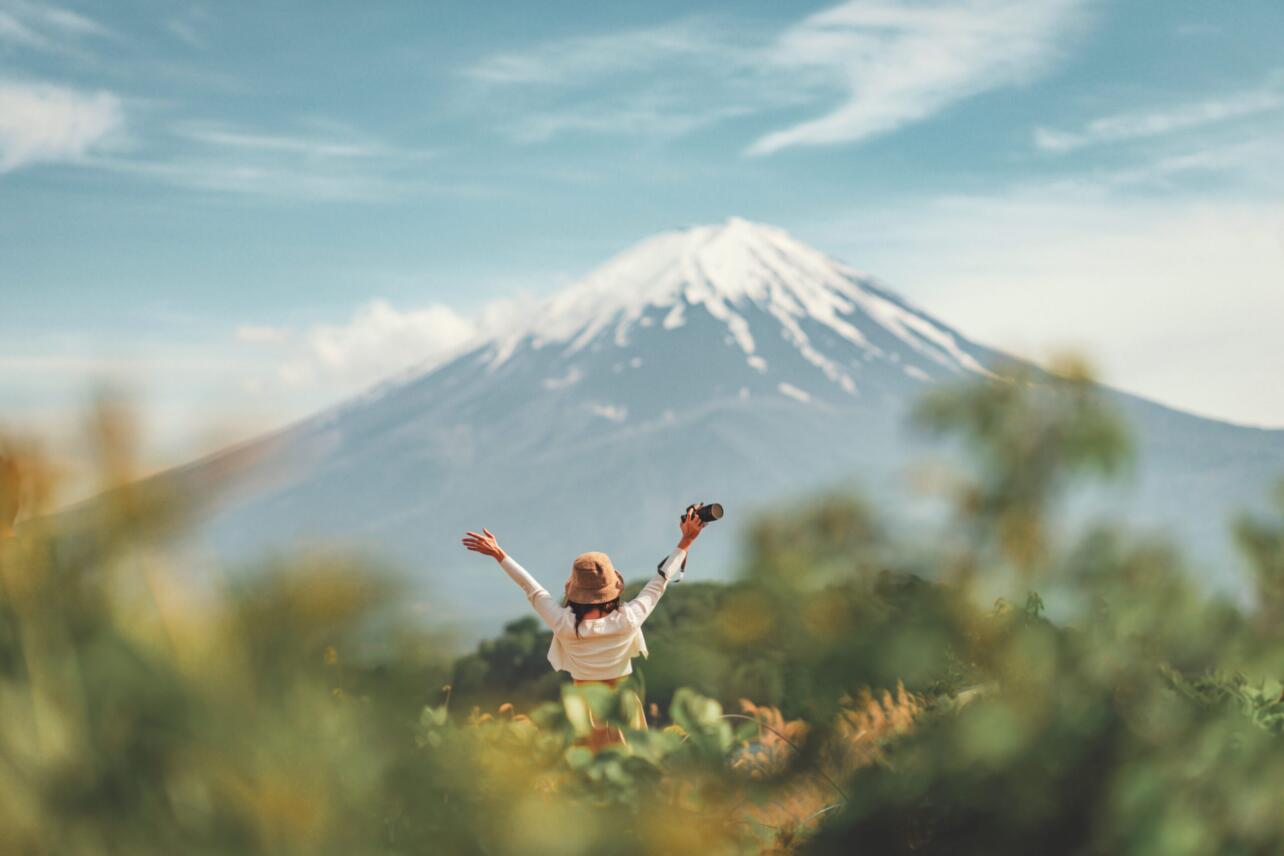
732,272
727,362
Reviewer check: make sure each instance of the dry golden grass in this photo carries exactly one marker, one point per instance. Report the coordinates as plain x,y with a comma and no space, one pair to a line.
860,734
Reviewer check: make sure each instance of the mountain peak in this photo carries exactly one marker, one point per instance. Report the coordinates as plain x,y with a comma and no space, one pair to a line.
733,259
715,265
734,271
734,233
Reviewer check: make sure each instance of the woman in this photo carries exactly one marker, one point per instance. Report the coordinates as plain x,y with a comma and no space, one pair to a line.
595,637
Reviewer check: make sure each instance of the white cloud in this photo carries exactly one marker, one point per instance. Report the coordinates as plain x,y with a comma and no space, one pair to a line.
312,160
276,179
57,19
184,390
14,31
657,117
321,161
40,122
262,334
901,61
326,143
1177,299
611,412
587,59
381,340
378,342
197,389
43,26
1137,125
897,61
1249,160
659,82
186,32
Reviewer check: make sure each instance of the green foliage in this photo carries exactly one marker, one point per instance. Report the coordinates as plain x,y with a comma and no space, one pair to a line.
299,711
701,719
1262,703
512,667
1028,435
1263,542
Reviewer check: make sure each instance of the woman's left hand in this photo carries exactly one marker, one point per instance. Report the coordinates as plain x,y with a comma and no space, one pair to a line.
484,544
691,525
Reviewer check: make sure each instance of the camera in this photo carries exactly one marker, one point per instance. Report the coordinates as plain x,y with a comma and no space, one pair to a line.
707,513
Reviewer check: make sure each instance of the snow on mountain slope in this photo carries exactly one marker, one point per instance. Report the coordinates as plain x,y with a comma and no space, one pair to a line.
724,269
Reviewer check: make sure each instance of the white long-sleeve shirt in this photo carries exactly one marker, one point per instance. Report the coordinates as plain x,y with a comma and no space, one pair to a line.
605,647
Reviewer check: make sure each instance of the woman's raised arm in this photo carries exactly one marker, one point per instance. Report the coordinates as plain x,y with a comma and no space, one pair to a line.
641,606
539,597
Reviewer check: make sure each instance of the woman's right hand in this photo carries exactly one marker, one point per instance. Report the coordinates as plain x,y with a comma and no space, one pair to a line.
484,544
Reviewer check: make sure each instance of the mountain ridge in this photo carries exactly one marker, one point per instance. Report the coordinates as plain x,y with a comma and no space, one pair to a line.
727,363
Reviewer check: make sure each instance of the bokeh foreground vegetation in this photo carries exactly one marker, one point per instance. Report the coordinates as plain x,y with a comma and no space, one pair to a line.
852,691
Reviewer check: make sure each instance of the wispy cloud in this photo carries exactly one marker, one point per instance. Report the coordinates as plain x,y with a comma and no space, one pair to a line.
655,82
1255,160
322,144
319,161
40,122
653,115
261,334
585,59
309,159
279,181
42,26
901,62
1121,127
893,61
186,27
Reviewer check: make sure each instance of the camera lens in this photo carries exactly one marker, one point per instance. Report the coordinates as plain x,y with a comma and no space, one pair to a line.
710,512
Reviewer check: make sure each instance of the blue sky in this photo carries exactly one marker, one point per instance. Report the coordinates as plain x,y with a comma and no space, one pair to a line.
247,211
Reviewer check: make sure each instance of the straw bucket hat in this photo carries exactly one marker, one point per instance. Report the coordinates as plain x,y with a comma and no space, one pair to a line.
593,579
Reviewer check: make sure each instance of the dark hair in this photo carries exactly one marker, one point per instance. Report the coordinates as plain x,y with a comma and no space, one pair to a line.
580,608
